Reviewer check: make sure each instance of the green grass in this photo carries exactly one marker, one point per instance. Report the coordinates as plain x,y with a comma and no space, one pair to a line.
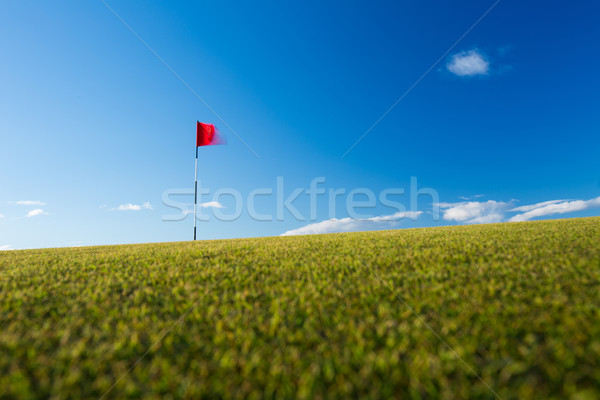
325,316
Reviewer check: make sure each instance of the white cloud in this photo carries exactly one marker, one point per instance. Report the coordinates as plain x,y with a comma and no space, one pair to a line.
553,207
468,63
129,207
474,212
208,204
534,206
133,207
37,211
1,216
28,203
353,225
6,247
470,198
211,204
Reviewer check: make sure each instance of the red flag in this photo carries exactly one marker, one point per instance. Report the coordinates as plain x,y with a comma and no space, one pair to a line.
207,135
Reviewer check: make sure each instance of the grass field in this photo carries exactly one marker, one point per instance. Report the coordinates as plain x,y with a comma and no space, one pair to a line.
511,310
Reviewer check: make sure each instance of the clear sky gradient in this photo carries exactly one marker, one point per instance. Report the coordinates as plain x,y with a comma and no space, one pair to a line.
94,128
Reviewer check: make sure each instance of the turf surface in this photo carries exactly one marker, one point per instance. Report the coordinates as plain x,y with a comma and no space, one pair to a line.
487,311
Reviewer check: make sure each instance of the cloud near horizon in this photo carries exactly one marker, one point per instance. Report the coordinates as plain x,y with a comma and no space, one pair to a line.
335,225
468,63
6,247
37,211
474,212
208,204
537,205
133,207
554,207
28,203
211,204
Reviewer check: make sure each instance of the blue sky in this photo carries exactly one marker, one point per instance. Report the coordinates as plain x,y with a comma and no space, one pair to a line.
94,128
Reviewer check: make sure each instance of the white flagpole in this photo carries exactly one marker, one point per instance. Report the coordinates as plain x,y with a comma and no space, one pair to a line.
195,191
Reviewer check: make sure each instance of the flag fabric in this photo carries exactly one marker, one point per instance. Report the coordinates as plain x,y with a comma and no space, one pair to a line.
207,135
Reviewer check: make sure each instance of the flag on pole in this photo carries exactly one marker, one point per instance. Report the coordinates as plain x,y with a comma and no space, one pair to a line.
207,135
